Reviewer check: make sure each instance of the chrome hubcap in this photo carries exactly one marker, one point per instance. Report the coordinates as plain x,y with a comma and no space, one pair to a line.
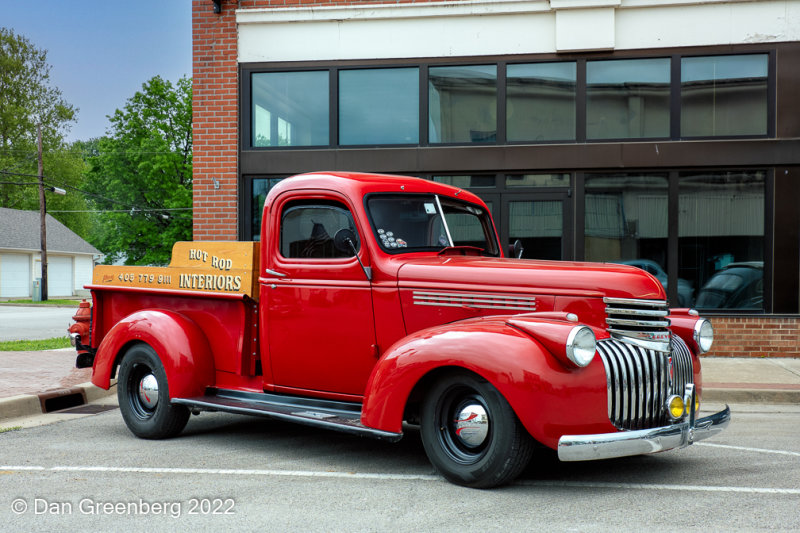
472,425
148,391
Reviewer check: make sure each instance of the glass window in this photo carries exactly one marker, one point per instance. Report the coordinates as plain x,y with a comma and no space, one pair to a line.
540,101
260,188
379,106
724,95
424,222
538,180
466,182
462,104
627,99
290,108
307,231
721,238
539,226
626,222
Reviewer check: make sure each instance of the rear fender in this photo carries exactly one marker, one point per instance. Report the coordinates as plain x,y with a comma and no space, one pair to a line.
179,342
549,397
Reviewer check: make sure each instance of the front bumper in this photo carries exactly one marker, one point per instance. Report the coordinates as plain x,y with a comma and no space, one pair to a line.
643,441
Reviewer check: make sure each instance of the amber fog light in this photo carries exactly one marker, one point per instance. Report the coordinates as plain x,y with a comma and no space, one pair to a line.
676,407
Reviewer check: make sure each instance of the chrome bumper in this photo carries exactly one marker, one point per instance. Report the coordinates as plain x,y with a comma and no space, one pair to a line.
643,441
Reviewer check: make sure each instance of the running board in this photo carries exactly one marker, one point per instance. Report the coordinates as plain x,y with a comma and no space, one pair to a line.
327,414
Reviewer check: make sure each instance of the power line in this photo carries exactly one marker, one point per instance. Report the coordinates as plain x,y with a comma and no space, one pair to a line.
117,210
87,193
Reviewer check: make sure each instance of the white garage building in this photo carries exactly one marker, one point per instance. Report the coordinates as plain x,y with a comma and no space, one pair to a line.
70,259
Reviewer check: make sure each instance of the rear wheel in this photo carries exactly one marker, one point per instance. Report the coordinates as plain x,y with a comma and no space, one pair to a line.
143,395
471,434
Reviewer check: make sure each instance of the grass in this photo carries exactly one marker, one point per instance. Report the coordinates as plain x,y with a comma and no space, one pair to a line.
30,346
5,430
46,302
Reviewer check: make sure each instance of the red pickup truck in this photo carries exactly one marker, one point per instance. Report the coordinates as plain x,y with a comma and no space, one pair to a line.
374,301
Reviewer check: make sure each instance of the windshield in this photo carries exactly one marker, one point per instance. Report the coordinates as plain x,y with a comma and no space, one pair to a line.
414,222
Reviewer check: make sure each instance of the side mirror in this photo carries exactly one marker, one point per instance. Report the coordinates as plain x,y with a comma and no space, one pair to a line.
515,250
345,241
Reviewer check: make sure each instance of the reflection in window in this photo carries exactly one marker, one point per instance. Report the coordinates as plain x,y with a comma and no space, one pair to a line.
627,99
539,226
724,95
307,231
626,222
260,188
466,182
413,222
290,109
721,238
462,103
538,180
540,103
379,106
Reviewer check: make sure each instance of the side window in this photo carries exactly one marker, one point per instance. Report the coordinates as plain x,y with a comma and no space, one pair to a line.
307,230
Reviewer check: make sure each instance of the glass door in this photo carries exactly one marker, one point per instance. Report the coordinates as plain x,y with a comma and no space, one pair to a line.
541,221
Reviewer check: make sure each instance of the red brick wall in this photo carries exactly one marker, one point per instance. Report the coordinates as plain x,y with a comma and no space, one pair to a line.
756,337
215,121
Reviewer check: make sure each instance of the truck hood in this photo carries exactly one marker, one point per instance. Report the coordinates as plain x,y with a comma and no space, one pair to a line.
557,278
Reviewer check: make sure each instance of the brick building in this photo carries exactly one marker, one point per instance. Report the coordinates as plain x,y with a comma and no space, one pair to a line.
660,133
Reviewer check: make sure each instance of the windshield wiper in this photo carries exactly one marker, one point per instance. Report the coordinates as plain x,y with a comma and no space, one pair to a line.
463,250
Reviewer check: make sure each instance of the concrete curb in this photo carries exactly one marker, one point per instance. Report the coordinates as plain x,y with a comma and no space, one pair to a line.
36,404
756,396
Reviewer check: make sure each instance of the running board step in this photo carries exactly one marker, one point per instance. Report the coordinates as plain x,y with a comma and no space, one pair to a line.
338,416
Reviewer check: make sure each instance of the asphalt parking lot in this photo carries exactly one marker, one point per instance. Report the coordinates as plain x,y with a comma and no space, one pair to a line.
31,323
235,472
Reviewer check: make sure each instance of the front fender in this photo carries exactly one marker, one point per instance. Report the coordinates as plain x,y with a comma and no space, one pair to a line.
179,342
550,398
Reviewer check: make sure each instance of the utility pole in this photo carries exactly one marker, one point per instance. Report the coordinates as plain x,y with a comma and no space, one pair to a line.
42,217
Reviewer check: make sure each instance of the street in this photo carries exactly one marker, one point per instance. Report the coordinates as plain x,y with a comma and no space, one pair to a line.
32,323
240,473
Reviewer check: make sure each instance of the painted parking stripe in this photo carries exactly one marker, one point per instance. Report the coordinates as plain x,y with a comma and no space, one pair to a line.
396,477
746,449
656,486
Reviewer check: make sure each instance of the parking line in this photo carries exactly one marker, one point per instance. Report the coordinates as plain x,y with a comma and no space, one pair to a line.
657,486
746,449
396,477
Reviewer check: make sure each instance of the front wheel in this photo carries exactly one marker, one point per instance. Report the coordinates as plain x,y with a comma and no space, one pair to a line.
143,396
471,434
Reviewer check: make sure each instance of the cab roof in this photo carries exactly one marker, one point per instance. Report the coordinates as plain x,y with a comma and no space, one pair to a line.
357,184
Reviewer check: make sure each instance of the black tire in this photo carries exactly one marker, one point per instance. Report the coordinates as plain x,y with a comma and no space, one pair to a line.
147,416
487,454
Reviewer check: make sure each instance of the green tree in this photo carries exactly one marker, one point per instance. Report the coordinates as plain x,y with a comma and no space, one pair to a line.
26,100
141,175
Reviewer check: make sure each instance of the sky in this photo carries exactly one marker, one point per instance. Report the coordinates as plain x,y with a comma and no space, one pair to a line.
102,51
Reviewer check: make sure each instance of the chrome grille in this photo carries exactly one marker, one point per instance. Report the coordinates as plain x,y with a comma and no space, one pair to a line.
642,322
639,381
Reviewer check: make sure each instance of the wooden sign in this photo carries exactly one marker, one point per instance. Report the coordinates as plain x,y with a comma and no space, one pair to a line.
224,267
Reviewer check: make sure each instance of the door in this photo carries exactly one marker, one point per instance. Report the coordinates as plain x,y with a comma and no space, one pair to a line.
59,276
15,275
321,333
541,221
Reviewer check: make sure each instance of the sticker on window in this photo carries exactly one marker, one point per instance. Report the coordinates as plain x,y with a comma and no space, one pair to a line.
430,208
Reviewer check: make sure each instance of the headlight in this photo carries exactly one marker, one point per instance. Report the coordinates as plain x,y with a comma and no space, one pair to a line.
581,345
703,335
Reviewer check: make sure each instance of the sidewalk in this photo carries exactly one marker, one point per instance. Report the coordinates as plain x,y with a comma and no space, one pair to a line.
45,381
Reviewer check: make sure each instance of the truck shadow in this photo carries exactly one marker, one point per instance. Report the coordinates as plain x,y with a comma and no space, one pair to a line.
303,445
